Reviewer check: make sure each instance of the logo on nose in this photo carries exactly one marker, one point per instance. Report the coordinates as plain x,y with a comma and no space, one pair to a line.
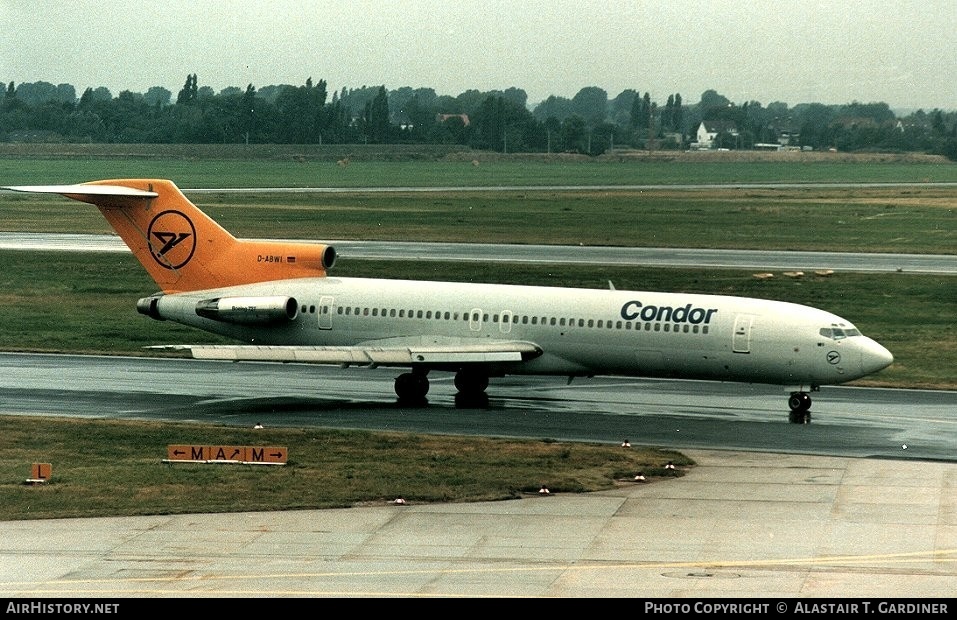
833,357
172,239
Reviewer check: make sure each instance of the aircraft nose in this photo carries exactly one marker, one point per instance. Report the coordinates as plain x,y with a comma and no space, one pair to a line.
874,357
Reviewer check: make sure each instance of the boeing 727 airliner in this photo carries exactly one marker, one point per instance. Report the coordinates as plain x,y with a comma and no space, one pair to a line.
279,301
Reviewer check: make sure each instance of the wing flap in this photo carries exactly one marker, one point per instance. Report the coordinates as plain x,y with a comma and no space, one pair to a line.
500,351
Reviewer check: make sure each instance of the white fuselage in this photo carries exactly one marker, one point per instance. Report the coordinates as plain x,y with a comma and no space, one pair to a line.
580,331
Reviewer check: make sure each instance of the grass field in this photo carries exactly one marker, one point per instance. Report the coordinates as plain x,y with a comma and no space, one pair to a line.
897,219
85,303
206,166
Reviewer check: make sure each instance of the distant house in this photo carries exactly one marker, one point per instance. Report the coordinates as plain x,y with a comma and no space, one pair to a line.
709,130
441,118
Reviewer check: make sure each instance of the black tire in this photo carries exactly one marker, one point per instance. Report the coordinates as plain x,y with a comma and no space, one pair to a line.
799,401
471,382
411,386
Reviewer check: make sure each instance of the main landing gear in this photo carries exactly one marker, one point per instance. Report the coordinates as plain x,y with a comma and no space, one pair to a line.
413,386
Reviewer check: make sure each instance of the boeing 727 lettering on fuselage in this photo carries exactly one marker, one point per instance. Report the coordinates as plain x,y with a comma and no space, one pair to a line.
280,302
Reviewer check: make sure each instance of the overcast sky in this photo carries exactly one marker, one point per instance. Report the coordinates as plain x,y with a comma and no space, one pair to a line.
795,51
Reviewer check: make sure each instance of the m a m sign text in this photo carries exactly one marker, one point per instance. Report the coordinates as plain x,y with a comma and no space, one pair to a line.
246,455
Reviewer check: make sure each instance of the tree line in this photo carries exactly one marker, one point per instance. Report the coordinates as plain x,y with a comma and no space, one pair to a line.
591,122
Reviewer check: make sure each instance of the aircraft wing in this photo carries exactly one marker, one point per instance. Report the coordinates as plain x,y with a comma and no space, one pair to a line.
371,355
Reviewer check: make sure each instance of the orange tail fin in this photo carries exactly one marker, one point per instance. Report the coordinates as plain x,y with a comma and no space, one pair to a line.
181,247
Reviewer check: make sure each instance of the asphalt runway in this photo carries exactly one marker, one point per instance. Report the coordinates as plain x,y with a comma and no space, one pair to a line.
844,421
856,502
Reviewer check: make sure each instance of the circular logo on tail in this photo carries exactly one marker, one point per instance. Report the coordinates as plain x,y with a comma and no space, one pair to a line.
172,239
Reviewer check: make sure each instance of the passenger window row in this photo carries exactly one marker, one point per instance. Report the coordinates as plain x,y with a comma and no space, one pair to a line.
514,319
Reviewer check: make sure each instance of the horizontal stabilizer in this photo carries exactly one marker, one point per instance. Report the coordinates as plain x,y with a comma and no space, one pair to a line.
84,190
488,352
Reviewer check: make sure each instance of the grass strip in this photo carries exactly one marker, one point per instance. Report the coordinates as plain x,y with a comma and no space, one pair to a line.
116,468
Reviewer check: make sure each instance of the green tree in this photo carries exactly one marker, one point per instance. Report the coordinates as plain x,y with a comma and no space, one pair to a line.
488,125
814,124
575,135
714,106
247,114
301,113
516,96
187,94
376,117
10,100
601,139
591,104
419,116
619,108
678,114
553,134
84,126
95,96
452,130
36,93
158,96
641,112
937,123
559,108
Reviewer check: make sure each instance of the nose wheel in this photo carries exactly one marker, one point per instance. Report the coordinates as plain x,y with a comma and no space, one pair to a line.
799,402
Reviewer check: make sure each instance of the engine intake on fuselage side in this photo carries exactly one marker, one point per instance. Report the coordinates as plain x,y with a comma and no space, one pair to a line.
148,306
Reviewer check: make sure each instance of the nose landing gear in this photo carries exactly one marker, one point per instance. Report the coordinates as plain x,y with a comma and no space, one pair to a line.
799,402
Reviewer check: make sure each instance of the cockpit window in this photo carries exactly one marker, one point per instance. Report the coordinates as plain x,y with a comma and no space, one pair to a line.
839,333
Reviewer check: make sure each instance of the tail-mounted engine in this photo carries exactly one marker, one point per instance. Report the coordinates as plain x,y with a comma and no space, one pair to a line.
269,310
150,307
249,310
